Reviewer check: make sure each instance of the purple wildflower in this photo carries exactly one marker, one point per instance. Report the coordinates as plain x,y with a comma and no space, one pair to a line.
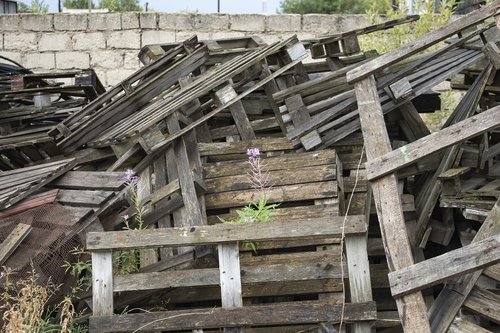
125,217
248,219
253,153
130,177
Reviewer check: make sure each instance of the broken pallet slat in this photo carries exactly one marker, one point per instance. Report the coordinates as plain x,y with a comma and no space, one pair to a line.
10,244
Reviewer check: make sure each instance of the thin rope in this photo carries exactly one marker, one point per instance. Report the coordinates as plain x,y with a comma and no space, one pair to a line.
342,237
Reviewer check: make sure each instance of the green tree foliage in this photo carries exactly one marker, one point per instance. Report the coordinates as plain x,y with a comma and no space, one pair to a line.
77,4
333,6
121,5
36,7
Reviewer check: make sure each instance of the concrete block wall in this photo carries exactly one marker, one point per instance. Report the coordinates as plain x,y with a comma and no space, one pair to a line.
110,42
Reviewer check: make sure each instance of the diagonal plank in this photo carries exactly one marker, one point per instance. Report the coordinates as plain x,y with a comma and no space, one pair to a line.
438,269
10,244
413,152
423,43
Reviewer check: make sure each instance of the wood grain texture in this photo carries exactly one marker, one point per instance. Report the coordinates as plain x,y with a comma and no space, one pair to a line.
411,308
10,244
224,233
102,283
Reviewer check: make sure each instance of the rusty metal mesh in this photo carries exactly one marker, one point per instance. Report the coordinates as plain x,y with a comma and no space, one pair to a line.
47,246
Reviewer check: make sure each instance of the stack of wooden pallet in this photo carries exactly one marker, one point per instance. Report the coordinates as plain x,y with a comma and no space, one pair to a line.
380,225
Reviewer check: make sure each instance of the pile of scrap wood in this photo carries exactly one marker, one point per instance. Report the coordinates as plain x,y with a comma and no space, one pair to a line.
379,224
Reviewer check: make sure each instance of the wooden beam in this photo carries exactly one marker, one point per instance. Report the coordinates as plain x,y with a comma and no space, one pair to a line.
411,308
10,244
423,43
485,303
225,233
451,298
102,283
413,152
262,315
441,268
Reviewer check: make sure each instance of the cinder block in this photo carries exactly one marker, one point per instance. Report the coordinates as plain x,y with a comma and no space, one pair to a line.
89,41
131,61
211,22
54,42
157,37
34,22
176,21
130,20
128,39
40,60
115,76
225,34
248,22
181,36
70,22
9,22
20,42
286,22
14,56
105,21
69,60
106,59
148,20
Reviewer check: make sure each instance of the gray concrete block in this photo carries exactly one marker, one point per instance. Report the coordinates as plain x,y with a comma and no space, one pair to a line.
70,22
40,60
176,21
33,22
157,37
20,41
106,59
10,22
13,55
88,41
126,39
130,20
148,20
280,23
70,60
211,22
54,42
130,60
105,21
248,22
115,76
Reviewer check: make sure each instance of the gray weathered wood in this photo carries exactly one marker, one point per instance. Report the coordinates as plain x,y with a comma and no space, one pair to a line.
224,233
411,308
102,283
441,268
411,153
485,303
10,244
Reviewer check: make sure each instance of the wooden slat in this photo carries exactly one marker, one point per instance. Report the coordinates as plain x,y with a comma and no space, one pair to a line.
411,308
91,180
102,283
10,244
438,269
411,153
263,315
264,145
84,198
223,233
485,303
426,41
463,326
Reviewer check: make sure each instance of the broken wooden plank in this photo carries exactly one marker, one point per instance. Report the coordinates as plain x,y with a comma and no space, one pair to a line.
484,303
10,244
223,233
411,153
446,266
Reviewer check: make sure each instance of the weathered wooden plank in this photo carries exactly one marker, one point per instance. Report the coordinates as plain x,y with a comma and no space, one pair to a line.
485,303
10,244
264,145
102,283
438,269
237,110
426,41
277,194
411,308
411,153
263,315
91,180
84,198
224,233
254,274
463,326
451,298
